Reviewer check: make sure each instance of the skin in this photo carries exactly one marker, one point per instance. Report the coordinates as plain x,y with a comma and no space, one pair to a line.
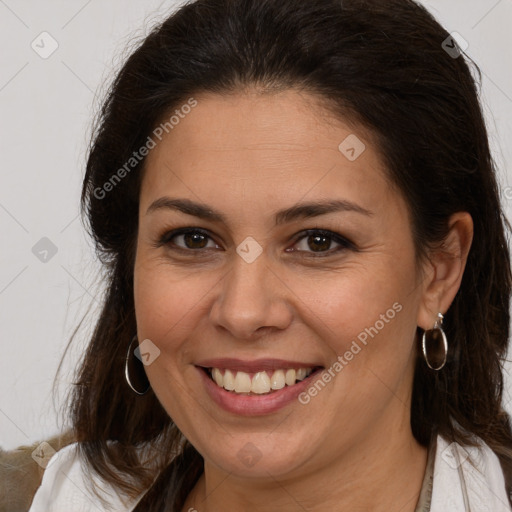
249,155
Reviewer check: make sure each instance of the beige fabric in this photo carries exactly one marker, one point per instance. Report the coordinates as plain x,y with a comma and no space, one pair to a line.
22,469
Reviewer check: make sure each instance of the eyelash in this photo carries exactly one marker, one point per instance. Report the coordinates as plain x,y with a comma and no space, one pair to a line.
345,244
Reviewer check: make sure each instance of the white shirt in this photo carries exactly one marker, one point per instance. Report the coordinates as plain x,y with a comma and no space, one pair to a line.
464,480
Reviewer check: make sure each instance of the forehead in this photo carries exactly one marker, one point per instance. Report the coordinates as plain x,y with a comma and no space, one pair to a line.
270,147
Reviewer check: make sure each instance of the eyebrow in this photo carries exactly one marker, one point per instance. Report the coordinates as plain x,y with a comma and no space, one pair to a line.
299,211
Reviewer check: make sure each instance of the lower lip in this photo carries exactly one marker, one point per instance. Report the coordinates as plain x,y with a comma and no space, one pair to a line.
254,405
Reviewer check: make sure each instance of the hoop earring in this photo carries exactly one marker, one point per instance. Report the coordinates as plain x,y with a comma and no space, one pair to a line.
138,380
433,337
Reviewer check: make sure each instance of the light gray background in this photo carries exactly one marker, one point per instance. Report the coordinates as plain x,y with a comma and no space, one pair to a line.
46,111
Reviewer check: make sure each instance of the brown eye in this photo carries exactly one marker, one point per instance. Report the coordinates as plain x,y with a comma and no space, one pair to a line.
191,239
195,240
321,242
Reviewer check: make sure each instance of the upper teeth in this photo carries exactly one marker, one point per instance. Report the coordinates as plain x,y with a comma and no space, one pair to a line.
261,382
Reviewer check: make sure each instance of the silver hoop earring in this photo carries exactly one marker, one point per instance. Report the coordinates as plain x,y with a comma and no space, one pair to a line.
436,339
134,372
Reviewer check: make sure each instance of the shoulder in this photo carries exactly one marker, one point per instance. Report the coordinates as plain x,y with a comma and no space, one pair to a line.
67,485
468,478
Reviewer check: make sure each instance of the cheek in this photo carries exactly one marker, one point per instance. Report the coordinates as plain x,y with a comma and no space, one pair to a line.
350,301
167,301
369,327
366,316
168,307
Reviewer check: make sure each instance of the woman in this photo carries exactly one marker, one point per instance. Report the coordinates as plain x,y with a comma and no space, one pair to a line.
308,275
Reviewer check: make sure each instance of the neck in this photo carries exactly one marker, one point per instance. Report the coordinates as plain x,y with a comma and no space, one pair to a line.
371,476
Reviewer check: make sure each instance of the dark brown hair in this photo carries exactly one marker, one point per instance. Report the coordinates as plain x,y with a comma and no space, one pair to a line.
380,64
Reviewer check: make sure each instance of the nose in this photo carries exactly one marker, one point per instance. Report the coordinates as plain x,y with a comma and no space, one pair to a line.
253,300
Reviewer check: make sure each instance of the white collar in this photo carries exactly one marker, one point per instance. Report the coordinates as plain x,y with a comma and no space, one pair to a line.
467,479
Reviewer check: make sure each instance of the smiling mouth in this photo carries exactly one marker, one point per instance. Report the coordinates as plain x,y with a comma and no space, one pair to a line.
264,382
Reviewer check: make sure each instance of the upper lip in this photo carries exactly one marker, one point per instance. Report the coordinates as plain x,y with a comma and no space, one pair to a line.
254,365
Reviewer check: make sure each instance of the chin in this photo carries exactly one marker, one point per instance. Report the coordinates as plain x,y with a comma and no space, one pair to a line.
256,456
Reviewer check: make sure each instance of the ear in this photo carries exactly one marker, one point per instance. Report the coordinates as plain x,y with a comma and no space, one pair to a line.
444,270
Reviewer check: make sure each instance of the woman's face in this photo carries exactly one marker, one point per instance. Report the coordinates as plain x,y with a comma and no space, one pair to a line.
299,256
